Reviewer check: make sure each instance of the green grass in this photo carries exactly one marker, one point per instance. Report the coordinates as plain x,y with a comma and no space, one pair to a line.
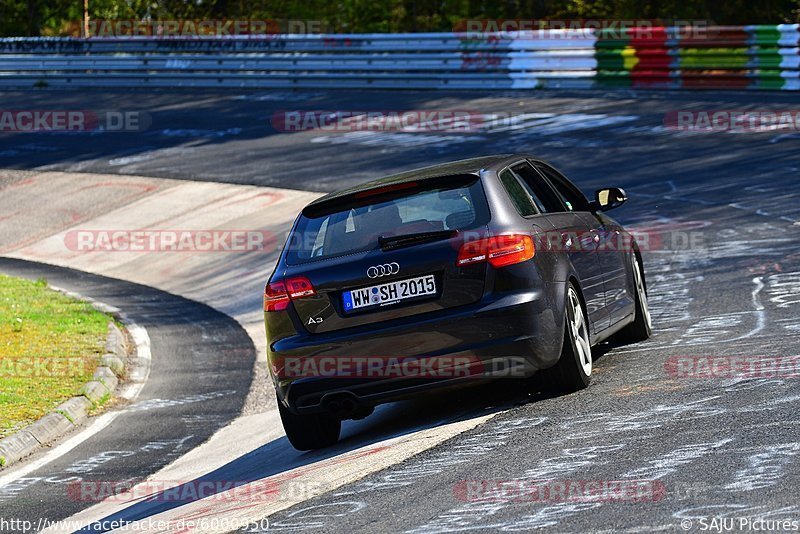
50,345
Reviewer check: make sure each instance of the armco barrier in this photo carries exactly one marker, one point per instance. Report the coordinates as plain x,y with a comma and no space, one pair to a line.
415,61
741,57
759,57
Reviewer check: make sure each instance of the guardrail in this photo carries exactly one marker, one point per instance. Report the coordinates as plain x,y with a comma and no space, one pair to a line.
732,57
761,57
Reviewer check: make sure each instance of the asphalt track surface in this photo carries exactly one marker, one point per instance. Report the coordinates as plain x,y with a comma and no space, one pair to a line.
723,276
198,383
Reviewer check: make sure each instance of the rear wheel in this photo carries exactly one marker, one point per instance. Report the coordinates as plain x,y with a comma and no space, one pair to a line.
309,432
642,326
574,368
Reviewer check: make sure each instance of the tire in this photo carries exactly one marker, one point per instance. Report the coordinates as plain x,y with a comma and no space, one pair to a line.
642,326
309,432
574,368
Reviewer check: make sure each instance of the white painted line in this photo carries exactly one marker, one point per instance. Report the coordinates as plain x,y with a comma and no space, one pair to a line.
759,286
96,426
141,371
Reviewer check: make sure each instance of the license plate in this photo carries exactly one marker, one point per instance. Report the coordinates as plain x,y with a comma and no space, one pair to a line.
389,293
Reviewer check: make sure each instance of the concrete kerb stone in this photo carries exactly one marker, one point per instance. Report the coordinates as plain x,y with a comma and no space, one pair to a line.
74,412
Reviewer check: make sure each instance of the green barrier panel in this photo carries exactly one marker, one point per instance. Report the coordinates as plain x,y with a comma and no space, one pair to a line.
729,58
772,84
766,58
610,59
613,78
763,41
611,44
766,35
767,76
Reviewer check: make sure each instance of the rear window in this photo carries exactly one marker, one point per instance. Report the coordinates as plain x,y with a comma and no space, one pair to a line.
354,224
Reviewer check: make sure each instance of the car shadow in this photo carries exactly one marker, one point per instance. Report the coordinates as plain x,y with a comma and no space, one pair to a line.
278,456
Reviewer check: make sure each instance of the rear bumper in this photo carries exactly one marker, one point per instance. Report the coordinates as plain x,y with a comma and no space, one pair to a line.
520,325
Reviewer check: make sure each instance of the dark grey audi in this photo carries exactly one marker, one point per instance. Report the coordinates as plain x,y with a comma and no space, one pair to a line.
445,277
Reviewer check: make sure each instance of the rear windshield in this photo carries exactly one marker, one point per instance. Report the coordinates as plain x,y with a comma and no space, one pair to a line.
355,224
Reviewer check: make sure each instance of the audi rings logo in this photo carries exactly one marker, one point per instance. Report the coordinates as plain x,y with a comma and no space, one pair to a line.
376,271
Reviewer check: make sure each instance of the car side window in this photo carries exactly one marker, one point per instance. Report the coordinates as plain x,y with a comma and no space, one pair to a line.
571,196
522,201
542,194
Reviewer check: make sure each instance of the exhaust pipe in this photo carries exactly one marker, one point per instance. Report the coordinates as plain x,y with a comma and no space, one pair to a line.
342,405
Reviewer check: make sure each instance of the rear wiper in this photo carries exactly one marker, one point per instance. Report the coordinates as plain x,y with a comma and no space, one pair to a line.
400,241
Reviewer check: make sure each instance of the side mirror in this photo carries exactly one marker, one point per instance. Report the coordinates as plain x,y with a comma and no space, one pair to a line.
608,198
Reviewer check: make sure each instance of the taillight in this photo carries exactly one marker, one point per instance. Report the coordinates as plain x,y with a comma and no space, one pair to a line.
275,297
299,287
499,250
278,294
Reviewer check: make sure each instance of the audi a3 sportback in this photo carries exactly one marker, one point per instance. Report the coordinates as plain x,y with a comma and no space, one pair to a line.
444,277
